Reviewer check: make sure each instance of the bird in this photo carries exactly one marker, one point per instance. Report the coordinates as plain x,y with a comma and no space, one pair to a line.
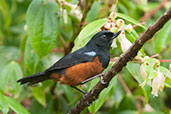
79,66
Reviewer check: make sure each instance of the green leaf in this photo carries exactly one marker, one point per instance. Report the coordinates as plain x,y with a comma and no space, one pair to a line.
165,71
39,95
130,19
6,13
23,44
15,106
37,108
3,104
4,77
134,70
102,97
128,112
42,25
9,53
92,14
15,74
116,94
9,76
128,102
31,59
69,92
154,112
93,83
132,36
162,38
87,32
147,92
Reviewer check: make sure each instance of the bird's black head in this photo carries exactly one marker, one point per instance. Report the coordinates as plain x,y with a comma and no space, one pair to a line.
103,39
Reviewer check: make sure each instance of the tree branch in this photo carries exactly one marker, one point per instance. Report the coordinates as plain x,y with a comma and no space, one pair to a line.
121,62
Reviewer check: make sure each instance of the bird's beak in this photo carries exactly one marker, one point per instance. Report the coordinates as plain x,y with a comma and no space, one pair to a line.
116,34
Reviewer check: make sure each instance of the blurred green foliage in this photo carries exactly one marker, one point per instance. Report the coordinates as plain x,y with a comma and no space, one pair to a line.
34,34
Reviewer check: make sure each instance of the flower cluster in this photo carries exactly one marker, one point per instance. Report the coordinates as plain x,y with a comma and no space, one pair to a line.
74,11
152,75
114,25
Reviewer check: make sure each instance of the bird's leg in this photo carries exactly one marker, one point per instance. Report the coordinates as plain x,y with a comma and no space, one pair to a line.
79,90
89,79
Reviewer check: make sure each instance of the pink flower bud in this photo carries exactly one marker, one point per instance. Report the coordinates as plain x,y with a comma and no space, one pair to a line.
107,26
113,27
120,22
112,16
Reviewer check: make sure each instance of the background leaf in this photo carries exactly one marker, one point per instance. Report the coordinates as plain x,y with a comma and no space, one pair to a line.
39,95
93,13
10,74
42,25
162,38
134,70
3,104
15,106
166,72
87,32
31,59
102,97
130,19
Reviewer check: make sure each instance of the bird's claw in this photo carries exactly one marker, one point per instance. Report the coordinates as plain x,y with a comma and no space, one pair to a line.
102,80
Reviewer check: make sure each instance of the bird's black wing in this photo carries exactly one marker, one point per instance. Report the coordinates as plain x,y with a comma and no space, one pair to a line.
71,59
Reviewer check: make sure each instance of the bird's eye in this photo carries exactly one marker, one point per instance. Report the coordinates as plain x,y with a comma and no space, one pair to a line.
104,36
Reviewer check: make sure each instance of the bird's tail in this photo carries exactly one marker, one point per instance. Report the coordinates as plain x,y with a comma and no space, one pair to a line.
35,78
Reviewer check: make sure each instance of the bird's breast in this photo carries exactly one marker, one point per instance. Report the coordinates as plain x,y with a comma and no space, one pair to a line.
74,75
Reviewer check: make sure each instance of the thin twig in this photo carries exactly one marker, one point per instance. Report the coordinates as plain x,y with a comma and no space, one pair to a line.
127,90
120,63
149,14
21,58
133,61
154,56
57,50
165,60
136,25
63,41
116,3
140,101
